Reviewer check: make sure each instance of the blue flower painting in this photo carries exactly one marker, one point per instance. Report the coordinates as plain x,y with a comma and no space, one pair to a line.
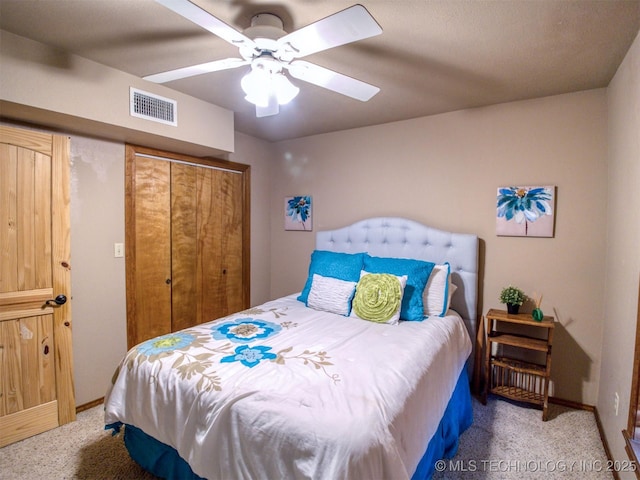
297,213
250,356
525,211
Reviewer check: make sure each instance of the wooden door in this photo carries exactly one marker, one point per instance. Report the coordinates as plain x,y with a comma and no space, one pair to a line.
187,234
148,249
36,360
206,233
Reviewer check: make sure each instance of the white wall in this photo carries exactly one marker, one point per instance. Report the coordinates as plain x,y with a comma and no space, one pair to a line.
622,266
443,170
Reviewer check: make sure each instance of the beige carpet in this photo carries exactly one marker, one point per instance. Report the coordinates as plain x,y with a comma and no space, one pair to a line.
506,442
509,441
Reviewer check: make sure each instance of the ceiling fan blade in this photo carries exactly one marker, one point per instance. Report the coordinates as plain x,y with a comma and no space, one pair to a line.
349,25
192,71
337,82
207,21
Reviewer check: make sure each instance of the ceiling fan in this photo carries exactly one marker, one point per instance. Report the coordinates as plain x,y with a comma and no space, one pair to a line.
270,51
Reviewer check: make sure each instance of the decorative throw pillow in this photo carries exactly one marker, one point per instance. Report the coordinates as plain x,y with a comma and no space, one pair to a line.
417,272
378,297
343,266
331,294
438,292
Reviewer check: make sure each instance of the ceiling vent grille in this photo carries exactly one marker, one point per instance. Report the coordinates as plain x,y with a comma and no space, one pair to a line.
153,107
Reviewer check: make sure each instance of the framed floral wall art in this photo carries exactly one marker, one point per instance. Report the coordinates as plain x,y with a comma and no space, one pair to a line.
297,213
525,211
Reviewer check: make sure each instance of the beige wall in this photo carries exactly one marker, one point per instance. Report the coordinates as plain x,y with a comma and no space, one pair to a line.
258,154
97,277
45,86
623,248
443,171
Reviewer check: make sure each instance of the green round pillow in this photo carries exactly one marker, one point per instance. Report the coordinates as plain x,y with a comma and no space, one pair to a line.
378,297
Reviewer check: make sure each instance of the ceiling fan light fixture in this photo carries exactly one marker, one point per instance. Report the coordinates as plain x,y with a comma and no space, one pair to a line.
255,85
260,85
285,90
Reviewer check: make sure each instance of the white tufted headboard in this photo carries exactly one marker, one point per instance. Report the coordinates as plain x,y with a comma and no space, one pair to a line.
403,238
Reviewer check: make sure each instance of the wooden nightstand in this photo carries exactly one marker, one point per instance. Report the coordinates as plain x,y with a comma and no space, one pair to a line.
511,377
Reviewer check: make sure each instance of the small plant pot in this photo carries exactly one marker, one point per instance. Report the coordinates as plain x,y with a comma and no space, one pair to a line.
513,309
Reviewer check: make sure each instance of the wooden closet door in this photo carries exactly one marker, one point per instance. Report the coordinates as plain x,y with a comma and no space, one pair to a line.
207,244
196,221
36,360
148,248
222,251
184,246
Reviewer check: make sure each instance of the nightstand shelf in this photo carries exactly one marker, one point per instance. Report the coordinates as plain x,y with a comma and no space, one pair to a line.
520,341
513,378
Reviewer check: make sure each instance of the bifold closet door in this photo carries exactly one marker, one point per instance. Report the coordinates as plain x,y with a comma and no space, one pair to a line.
148,250
186,244
206,243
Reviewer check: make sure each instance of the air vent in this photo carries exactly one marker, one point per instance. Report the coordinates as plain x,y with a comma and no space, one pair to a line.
153,107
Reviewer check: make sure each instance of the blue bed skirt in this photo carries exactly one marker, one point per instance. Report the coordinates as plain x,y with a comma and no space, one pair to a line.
164,461
458,416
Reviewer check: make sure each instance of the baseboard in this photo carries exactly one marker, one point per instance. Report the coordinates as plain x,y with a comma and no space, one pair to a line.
87,406
605,444
572,404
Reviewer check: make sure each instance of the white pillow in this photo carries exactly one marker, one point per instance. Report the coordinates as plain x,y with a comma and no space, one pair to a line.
379,299
437,294
331,294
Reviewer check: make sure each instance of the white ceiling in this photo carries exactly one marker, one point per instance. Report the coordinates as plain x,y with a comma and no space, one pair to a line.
432,57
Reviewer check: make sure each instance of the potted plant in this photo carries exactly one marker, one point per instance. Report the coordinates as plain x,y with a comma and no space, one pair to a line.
513,297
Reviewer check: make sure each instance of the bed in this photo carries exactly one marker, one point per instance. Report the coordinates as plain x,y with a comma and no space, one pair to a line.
305,386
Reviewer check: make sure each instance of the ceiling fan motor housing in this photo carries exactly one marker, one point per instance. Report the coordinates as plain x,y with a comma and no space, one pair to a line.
265,30
267,20
265,26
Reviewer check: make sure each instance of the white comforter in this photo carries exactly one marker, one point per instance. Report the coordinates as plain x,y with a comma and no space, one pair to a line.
284,391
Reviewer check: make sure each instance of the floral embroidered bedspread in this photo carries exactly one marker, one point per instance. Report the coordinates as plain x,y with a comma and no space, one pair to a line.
285,391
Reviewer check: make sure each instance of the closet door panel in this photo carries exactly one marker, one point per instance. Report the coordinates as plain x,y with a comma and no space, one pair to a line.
152,267
184,242
209,271
219,274
229,195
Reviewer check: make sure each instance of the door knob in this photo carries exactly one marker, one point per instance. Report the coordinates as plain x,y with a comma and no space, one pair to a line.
59,300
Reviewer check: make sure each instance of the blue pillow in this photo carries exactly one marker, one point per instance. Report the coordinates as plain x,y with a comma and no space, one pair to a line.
418,273
343,266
